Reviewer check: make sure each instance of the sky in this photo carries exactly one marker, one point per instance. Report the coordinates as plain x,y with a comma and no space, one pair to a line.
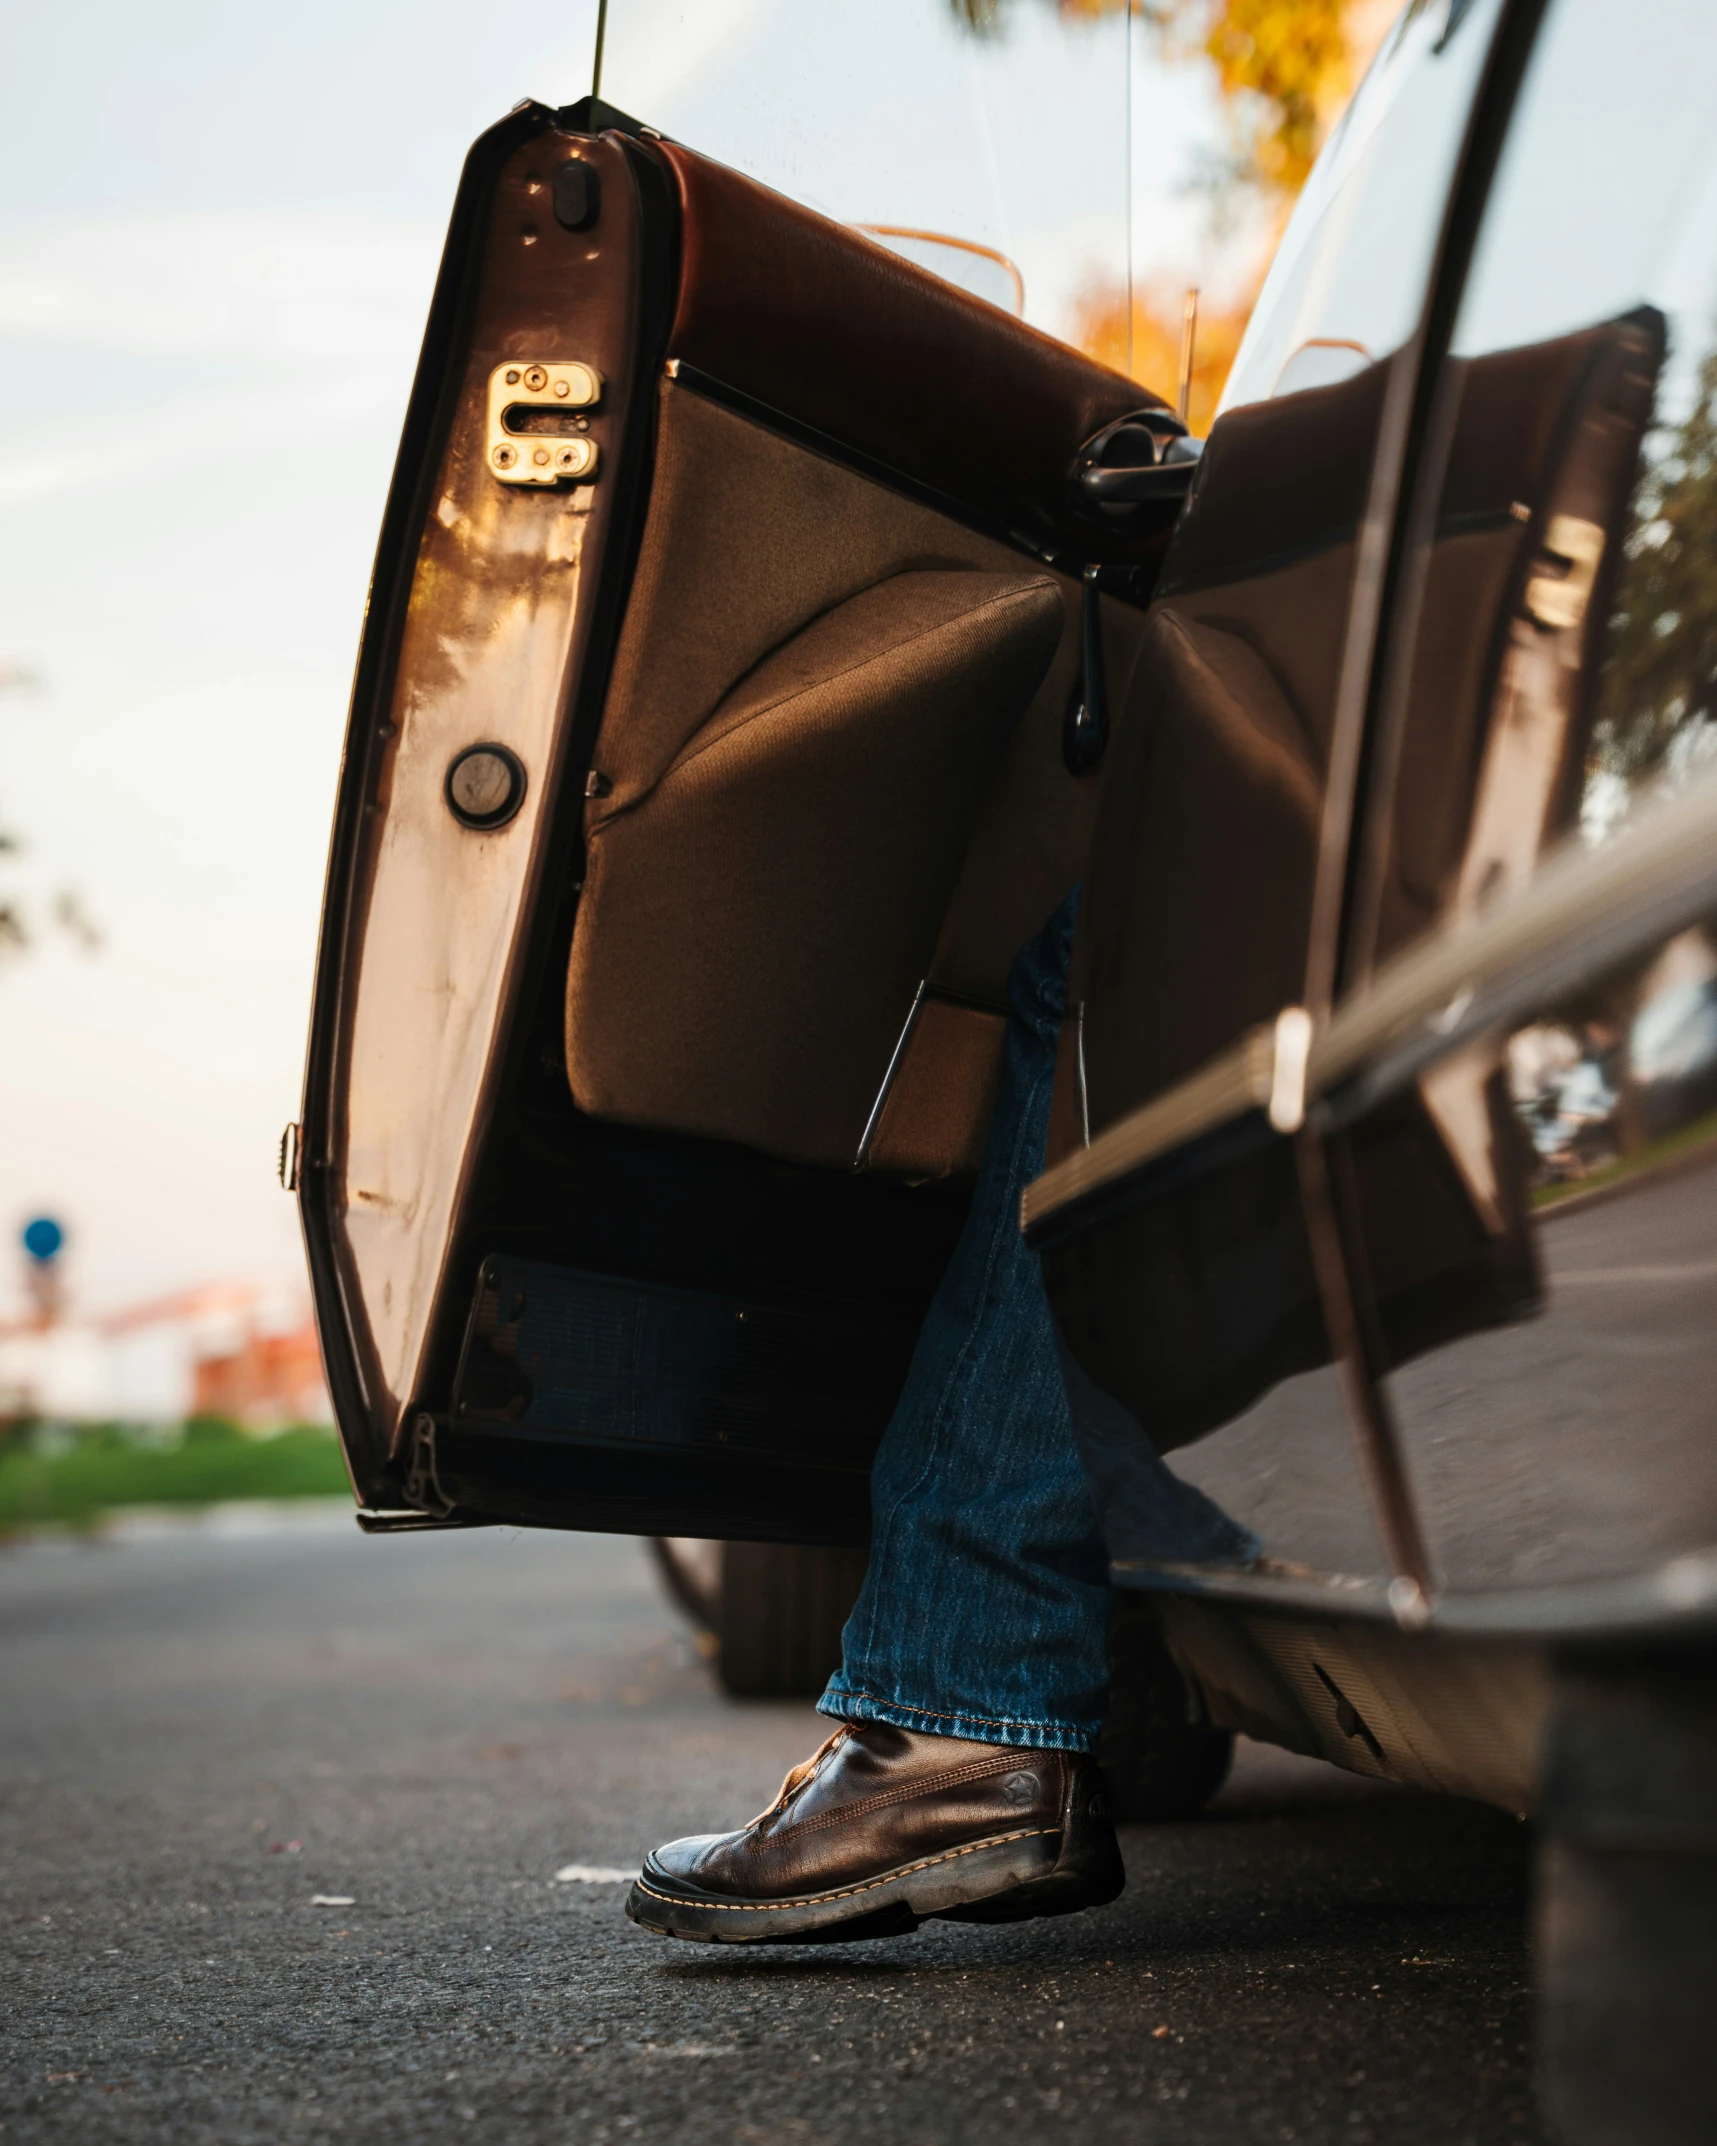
212,288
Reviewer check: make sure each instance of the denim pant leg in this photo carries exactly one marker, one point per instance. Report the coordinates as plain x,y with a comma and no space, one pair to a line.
985,1610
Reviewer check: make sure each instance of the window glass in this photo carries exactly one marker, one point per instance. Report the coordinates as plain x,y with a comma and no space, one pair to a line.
1540,1225
1537,1217
1563,601
1005,128
1348,282
1604,196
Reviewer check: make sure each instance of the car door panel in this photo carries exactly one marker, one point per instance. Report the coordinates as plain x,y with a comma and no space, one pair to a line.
1216,786
474,617
782,311
1486,735
824,805
1186,1268
694,1042
1571,1450
1189,1296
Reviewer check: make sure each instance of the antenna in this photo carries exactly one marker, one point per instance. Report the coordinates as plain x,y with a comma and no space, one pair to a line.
1188,339
601,40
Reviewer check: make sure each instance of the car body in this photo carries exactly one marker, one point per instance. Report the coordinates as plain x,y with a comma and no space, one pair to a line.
652,1055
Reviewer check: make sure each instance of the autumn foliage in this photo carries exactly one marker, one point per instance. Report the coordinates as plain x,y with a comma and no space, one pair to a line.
1155,355
1283,70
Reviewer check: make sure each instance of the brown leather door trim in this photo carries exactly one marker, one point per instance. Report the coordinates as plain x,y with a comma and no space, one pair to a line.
727,397
834,331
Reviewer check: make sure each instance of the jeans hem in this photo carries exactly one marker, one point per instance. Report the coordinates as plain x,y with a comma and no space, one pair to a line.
972,1728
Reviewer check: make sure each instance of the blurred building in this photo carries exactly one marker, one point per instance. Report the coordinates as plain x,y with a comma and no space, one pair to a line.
245,1350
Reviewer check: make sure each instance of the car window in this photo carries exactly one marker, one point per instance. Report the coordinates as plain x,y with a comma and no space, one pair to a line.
1532,1217
1537,1231
1348,282
1006,129
1555,656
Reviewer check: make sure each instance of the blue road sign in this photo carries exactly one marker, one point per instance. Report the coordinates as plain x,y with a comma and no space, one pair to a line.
43,1238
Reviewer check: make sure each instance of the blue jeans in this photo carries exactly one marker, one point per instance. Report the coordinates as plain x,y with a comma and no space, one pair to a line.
985,1609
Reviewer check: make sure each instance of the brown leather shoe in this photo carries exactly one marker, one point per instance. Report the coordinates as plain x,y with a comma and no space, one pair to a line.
884,1828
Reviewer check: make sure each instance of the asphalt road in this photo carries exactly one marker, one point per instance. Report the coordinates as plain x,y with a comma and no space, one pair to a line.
282,1813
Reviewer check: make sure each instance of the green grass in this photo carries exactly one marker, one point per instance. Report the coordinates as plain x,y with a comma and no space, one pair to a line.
1670,1145
55,1480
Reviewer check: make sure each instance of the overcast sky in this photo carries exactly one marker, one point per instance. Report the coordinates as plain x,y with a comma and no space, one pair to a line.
218,228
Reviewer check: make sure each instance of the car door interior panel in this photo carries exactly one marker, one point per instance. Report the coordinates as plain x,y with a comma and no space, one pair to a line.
707,765
789,312
1538,448
1217,782
754,927
1215,785
1499,1238
552,1352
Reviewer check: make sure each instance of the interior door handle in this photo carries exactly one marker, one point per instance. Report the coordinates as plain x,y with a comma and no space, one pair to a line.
1170,478
1141,461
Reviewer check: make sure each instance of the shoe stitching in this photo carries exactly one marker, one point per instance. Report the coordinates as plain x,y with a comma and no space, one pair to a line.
847,1892
954,1777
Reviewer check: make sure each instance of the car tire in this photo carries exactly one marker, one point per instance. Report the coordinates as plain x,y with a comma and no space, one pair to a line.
771,1612
1159,1759
1627,1903
779,1617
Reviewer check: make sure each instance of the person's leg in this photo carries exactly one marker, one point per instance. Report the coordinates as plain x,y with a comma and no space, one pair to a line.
975,1661
985,1610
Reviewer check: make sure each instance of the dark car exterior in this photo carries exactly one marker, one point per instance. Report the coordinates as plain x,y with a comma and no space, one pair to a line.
700,785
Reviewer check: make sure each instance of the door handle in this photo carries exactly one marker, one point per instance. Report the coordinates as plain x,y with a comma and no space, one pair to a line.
1144,460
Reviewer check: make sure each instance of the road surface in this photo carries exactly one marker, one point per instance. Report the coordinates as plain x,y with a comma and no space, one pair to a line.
282,1812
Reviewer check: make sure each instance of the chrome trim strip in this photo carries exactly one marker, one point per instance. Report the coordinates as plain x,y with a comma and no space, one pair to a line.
1329,1201
1675,1599
1237,1082
1290,1058
899,1052
1084,1090
1583,913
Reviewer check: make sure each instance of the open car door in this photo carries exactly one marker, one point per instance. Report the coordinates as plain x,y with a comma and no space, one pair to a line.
730,708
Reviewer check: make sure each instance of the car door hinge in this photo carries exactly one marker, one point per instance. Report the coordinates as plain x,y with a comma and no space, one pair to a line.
422,1483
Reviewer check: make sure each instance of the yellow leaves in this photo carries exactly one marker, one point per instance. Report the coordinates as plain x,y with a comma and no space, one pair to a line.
1157,315
1283,67
1293,57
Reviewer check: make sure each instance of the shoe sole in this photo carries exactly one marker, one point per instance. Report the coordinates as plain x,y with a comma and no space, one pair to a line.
1010,1877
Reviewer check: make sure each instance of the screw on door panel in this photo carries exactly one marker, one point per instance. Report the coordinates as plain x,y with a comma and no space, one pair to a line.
485,786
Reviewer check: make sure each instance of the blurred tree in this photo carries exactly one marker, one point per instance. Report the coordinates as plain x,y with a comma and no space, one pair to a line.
1155,357
1283,71
1283,67
14,932
1658,698
65,911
